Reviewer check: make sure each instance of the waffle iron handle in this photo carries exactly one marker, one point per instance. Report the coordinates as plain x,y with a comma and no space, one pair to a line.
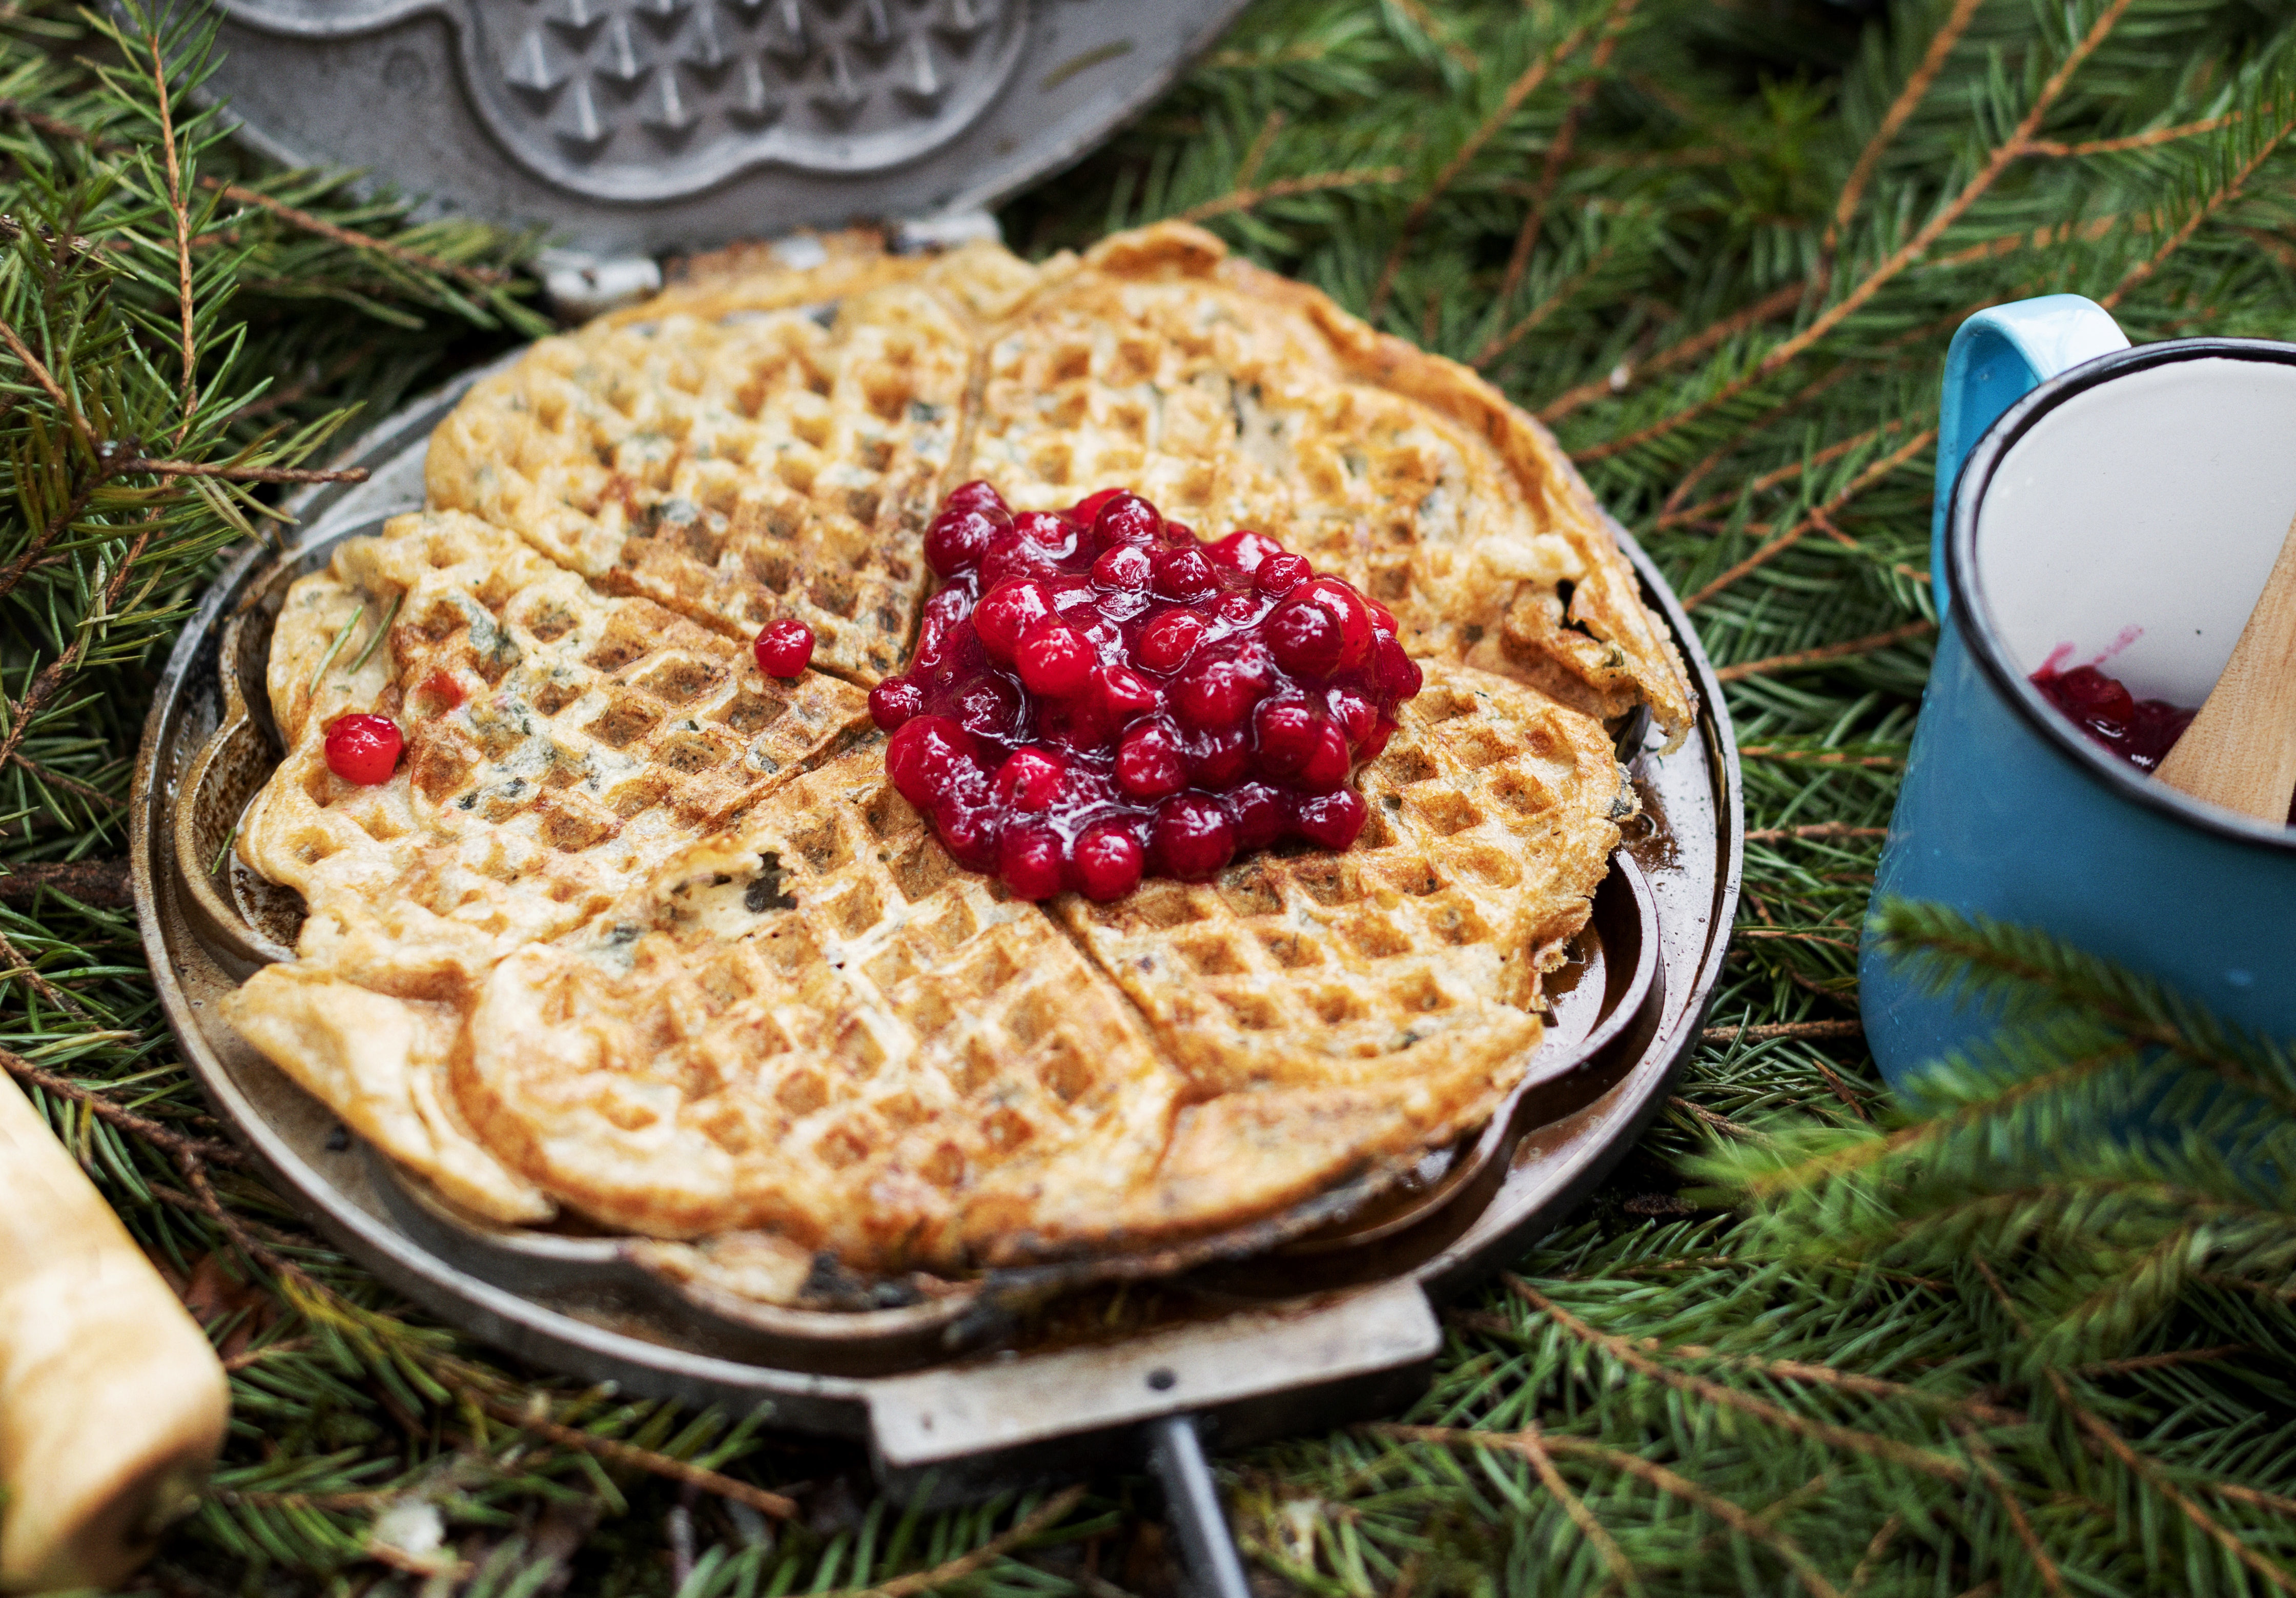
1192,1507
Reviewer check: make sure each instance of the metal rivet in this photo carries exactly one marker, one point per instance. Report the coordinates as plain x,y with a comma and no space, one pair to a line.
1163,1381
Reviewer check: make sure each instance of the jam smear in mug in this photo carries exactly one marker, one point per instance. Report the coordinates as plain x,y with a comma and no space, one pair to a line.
2140,731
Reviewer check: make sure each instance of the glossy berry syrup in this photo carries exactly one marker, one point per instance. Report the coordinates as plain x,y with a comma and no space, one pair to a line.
1097,695
2140,731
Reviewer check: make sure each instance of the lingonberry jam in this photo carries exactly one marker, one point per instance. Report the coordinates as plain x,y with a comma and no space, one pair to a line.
1097,695
2140,731
363,748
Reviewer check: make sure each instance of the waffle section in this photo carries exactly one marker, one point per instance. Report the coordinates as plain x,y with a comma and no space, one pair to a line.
561,744
1234,398
819,1027
748,451
1415,955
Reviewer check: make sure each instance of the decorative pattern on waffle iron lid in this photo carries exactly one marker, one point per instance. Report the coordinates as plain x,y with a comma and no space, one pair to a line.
1233,397
762,462
559,744
1411,958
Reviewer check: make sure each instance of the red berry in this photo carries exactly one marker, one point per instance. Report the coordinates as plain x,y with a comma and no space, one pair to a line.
1287,730
1305,638
1011,608
1123,568
974,495
894,701
1030,779
1047,531
1087,510
1238,610
1331,819
1382,620
1029,859
364,748
1108,862
1326,764
1345,606
969,831
1220,691
1125,695
1216,760
1375,745
987,706
1399,676
924,757
1279,574
1354,713
1166,643
956,540
1179,535
1193,838
1054,659
1120,519
1182,574
1148,760
1260,816
1244,551
783,648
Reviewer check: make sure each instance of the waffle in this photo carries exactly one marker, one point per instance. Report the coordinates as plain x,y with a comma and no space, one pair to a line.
595,738
737,455
820,1007
1233,397
638,934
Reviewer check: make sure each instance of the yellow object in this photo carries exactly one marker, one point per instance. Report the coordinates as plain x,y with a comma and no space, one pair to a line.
112,1404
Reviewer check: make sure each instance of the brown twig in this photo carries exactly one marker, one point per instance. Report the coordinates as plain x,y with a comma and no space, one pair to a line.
54,528
1045,1515
1927,1461
1762,1033
1816,518
1909,98
1982,1452
183,238
1244,199
1520,89
1818,757
525,1418
56,779
1831,651
2215,202
176,1143
57,671
1774,304
2157,1479
48,385
1823,829
244,474
102,883
1558,151
1668,516
1912,250
1499,343
2134,140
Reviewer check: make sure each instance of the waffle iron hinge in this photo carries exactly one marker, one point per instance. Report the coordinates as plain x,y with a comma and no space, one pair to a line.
961,1432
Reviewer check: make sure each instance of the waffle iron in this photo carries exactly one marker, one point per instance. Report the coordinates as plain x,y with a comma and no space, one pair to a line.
1326,1316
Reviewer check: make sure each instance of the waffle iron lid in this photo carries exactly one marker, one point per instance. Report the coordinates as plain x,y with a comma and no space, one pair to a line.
639,126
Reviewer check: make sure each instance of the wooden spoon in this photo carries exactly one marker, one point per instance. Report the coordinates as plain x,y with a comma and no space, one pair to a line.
2240,752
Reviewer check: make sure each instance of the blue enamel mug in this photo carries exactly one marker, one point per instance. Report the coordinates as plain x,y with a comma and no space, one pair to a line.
2095,505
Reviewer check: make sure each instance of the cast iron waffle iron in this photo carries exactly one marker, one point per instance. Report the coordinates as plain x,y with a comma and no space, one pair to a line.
631,126
1323,1319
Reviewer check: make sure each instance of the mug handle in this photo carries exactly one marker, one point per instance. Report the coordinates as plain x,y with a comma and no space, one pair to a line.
1998,356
